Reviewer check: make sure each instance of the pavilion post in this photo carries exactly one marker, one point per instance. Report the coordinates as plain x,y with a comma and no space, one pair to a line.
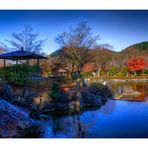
28,62
16,61
4,62
38,62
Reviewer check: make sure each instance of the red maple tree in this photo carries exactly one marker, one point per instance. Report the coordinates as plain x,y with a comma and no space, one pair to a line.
136,64
89,67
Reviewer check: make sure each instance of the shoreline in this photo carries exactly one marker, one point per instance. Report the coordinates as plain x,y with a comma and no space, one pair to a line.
120,77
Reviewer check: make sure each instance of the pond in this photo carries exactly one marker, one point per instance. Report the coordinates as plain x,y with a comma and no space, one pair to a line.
116,119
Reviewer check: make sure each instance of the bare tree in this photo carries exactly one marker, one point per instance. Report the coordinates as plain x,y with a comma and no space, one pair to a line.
26,39
77,43
2,50
101,56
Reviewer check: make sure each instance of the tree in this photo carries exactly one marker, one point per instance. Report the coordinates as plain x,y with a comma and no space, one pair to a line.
102,55
55,65
2,50
76,44
26,39
136,64
89,67
45,66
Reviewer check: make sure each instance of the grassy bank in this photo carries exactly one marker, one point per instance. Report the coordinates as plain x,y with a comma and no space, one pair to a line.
120,77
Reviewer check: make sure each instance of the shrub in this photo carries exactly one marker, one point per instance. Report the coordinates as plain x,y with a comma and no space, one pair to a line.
18,74
113,71
145,71
102,73
47,72
86,74
120,74
57,94
124,70
55,91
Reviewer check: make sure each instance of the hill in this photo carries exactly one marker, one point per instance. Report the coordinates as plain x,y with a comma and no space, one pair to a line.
116,58
136,49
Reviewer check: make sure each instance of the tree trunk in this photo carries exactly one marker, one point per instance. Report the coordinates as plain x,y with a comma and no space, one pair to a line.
99,71
81,79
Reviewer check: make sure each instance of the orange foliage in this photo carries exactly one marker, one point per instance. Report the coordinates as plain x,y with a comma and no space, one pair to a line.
136,63
89,67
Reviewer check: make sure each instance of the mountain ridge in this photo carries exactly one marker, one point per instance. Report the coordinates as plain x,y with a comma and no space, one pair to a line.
136,49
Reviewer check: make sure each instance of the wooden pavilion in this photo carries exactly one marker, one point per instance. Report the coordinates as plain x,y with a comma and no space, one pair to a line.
21,55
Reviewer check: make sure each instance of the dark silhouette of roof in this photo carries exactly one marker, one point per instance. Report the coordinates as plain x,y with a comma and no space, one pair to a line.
21,55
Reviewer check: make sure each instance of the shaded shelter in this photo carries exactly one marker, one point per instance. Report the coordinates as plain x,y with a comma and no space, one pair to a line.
21,55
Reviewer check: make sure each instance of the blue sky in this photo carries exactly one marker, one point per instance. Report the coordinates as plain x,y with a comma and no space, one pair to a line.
119,28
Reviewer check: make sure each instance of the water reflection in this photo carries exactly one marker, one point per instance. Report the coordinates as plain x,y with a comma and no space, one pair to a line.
63,127
115,119
78,125
133,91
108,108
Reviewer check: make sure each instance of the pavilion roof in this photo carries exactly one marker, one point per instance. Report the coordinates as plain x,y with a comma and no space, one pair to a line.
21,55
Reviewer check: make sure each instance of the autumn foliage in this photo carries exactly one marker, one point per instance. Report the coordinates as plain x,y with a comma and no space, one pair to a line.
136,64
89,67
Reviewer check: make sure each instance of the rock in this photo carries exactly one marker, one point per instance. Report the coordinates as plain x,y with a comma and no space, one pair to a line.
90,99
27,92
79,95
5,133
5,88
46,107
12,118
34,131
24,100
87,81
61,106
99,89
105,83
5,92
63,98
94,91
34,113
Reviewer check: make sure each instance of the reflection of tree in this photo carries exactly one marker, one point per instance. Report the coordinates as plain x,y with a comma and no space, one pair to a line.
80,133
85,122
146,98
140,88
109,107
56,125
74,126
131,88
146,89
66,126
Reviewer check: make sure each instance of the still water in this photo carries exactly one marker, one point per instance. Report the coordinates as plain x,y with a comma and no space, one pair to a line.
115,119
